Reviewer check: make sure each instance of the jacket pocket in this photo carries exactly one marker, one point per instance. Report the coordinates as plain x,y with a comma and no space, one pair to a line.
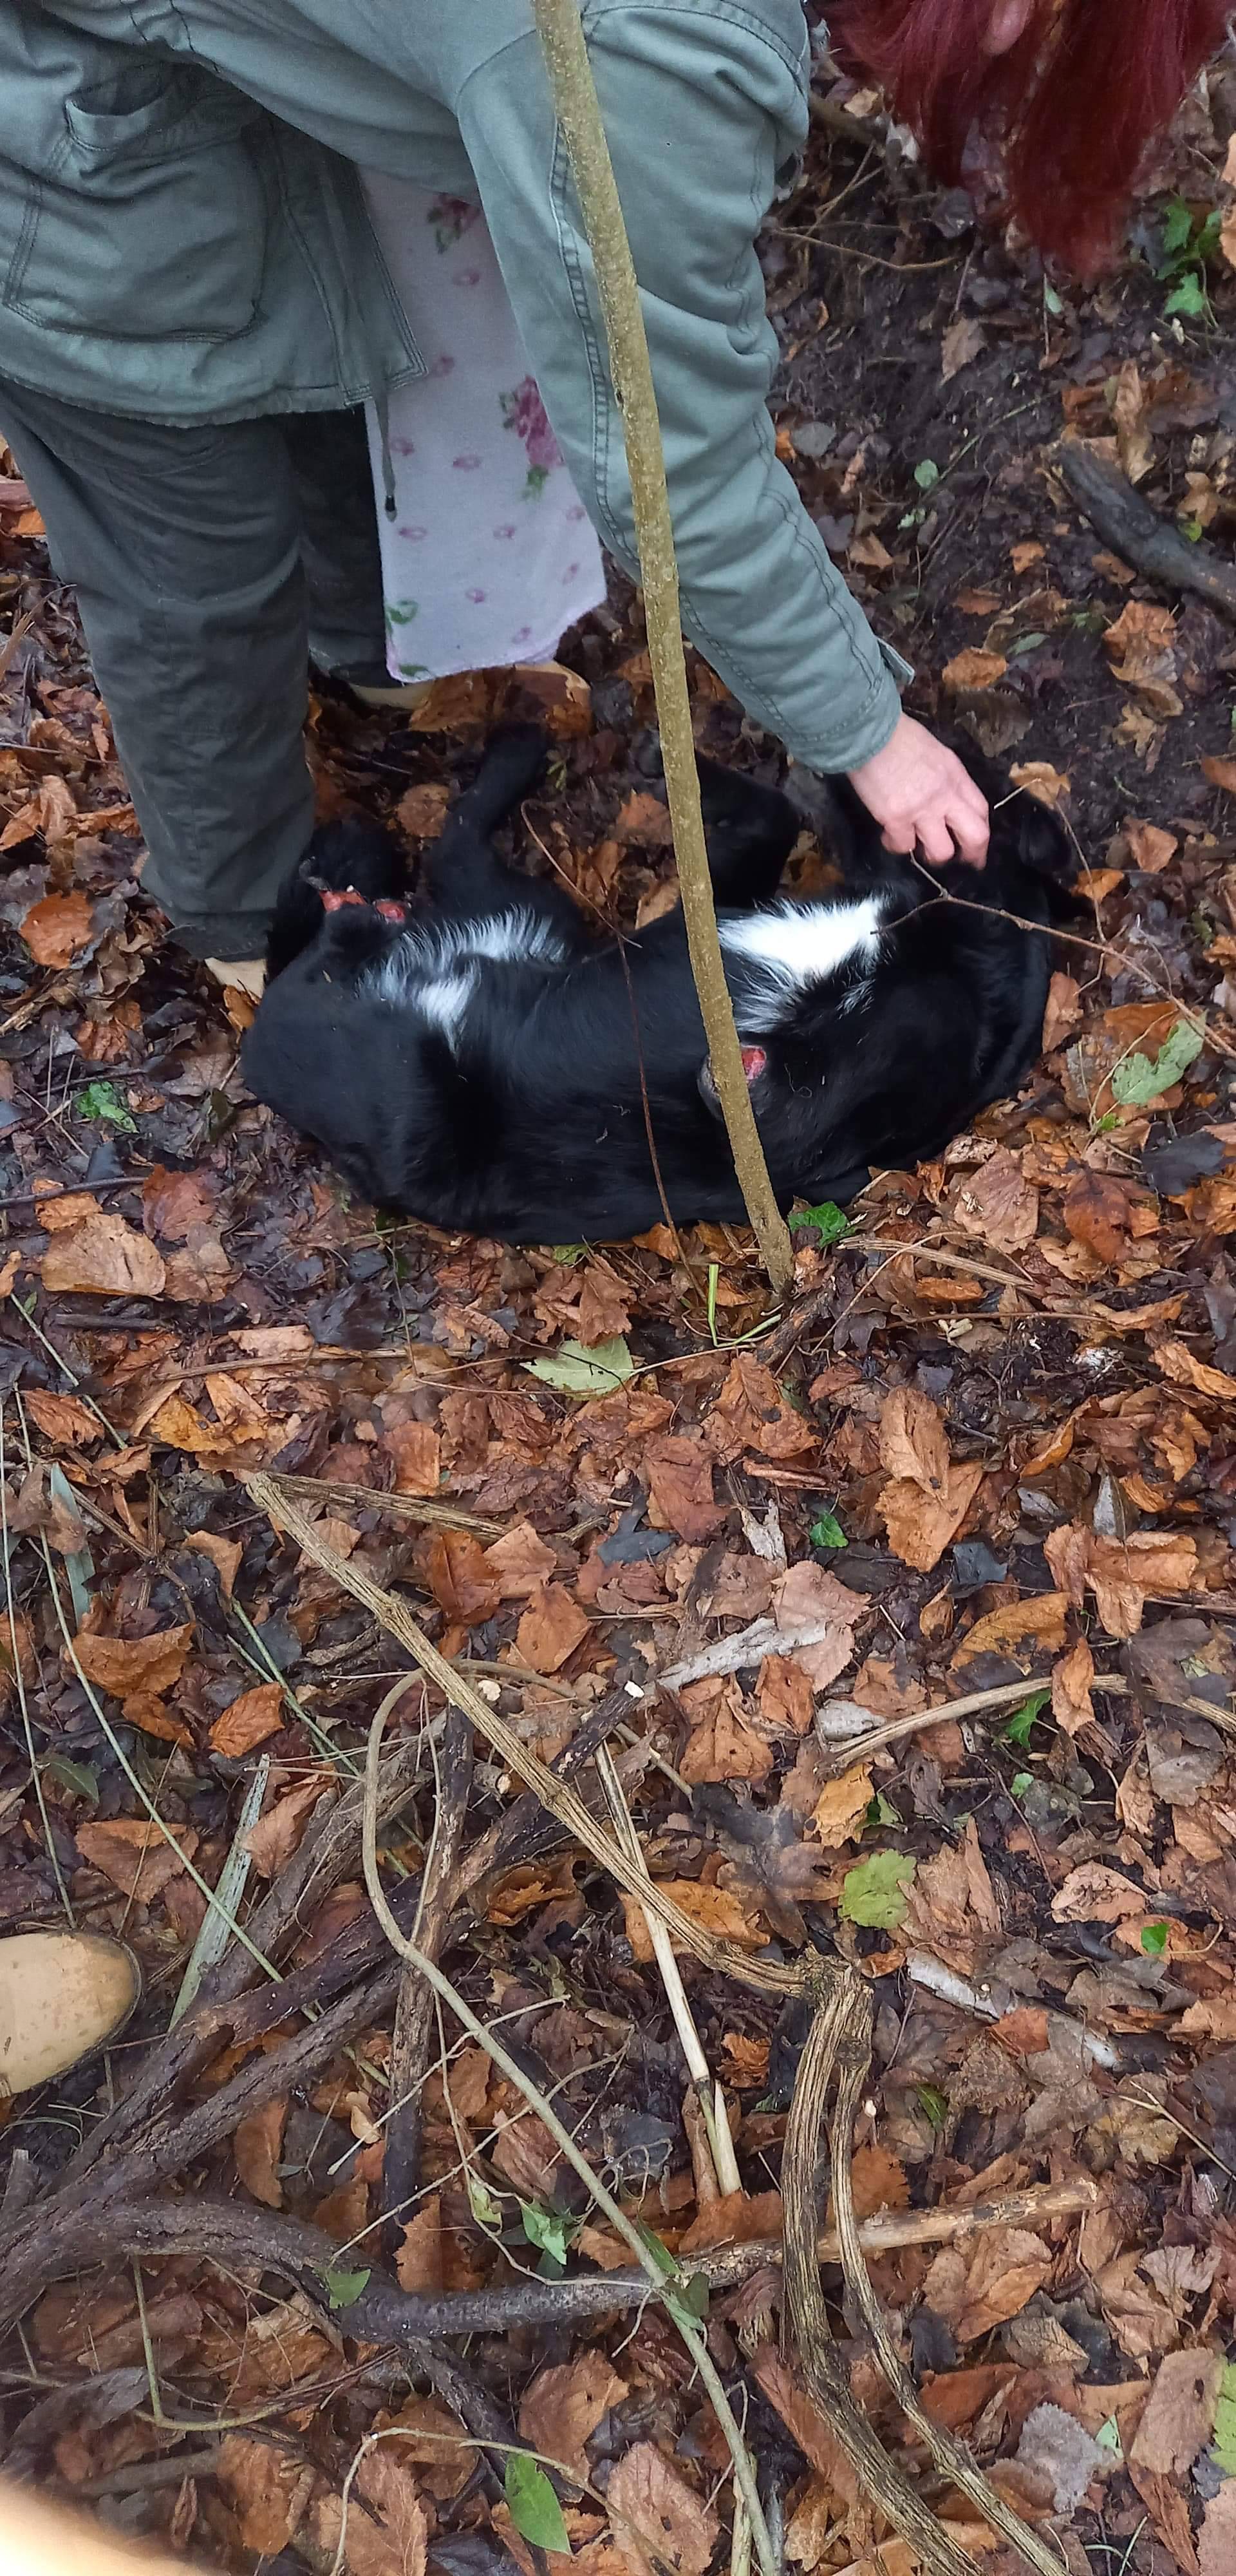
147,219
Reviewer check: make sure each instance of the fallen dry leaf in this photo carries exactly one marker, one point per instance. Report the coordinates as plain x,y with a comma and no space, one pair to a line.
277,1834
247,1721
551,1628
1216,2547
715,1909
258,2146
993,2277
135,1856
56,928
128,1664
417,1453
973,669
920,1525
520,1562
1071,1703
842,1805
1180,2413
103,1258
267,2487
1016,1625
1120,1572
679,1469
460,1580
647,2495
1063,1013
1184,1368
1092,1893
997,1206
562,2407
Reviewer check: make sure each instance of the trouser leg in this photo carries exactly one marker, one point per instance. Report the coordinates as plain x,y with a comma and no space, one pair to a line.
329,452
184,548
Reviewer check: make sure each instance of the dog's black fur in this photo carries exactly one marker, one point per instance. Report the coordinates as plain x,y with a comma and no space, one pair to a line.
479,1066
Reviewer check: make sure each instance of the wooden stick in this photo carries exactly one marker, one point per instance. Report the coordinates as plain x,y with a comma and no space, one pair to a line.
414,2011
578,112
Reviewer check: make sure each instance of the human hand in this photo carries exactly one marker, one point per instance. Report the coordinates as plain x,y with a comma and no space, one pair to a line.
921,794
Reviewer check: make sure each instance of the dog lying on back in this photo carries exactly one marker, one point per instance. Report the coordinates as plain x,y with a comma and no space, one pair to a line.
483,1063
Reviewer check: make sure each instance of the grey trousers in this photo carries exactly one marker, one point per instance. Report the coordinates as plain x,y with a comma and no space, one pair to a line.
208,564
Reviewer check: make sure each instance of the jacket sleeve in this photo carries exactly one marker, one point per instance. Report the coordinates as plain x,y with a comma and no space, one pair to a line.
703,105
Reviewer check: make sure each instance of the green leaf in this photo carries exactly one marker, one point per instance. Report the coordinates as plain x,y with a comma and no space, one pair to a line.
1140,1079
1026,644
875,1892
534,2508
1225,2423
933,2102
576,1371
551,2229
688,2306
828,1532
1108,2438
568,1253
1020,1724
483,2206
1189,298
881,1812
927,474
344,2288
1052,301
1154,1939
102,1100
1020,1782
1177,228
77,1776
654,2245
830,1221
1208,236
1192,529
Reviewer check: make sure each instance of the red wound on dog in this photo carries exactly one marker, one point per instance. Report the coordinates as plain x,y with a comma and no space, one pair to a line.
334,900
754,1061
390,909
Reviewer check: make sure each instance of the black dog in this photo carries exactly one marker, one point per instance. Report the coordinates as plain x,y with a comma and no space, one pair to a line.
484,1064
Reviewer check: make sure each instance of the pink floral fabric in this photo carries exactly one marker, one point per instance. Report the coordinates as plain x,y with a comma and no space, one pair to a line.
490,555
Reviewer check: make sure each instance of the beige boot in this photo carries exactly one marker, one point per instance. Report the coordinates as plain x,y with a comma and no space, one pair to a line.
62,1995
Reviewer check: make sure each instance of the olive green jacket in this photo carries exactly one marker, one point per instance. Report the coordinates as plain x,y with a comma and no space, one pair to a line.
183,237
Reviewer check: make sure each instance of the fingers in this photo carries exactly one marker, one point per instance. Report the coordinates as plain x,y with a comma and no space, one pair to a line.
924,798
970,821
935,838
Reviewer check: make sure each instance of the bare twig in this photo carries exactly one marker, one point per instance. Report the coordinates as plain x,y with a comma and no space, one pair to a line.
579,115
414,2010
708,2092
839,2045
668,2288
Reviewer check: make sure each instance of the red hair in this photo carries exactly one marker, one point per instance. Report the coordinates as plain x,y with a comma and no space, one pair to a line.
1075,102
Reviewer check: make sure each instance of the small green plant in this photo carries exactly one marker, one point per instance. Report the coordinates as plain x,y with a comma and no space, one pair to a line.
876,1892
102,1101
828,1220
1154,1939
1021,1724
1188,247
828,1532
1139,1079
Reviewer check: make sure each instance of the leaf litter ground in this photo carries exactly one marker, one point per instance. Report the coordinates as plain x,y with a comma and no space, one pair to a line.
983,1464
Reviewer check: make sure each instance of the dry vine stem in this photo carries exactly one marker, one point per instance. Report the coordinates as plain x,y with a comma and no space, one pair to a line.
669,2289
578,112
842,2023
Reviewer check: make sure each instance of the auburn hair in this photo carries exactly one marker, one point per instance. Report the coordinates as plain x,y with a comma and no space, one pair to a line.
1074,103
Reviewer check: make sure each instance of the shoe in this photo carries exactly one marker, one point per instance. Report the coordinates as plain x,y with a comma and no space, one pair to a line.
245,975
62,1995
